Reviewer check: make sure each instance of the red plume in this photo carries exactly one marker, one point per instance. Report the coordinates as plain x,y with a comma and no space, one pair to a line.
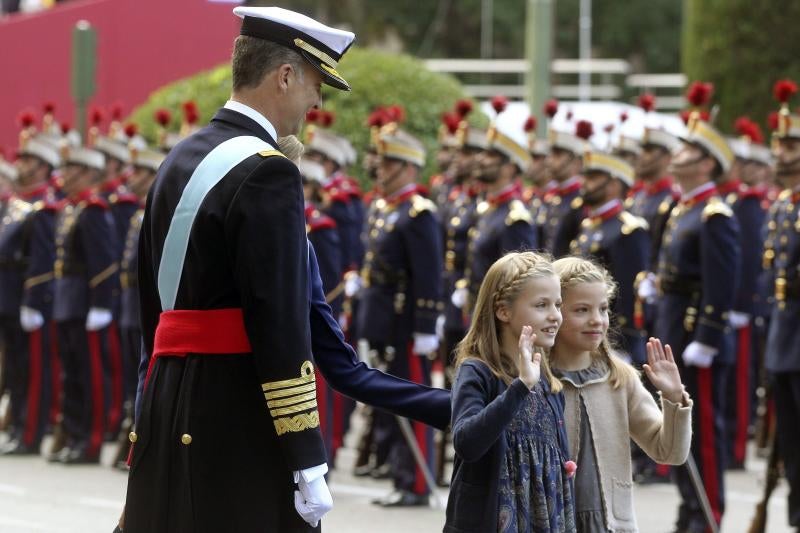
65,127
190,112
451,121
647,101
773,120
550,108
26,118
499,103
684,114
396,114
463,107
312,116
584,129
326,118
784,90
96,116
377,118
163,117
530,124
49,107
608,128
116,111
131,129
623,117
699,93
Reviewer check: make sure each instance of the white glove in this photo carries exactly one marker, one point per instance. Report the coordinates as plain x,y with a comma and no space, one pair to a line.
738,320
97,318
30,319
440,326
352,283
647,288
459,297
425,343
313,500
699,355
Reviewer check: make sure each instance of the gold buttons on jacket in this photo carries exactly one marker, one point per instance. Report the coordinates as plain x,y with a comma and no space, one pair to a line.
132,436
186,439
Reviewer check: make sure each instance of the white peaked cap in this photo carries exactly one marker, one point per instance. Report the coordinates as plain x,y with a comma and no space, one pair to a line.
112,148
312,171
86,157
8,171
149,159
44,150
320,45
329,145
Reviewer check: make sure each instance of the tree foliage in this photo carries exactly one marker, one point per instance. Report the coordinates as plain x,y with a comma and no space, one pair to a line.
742,47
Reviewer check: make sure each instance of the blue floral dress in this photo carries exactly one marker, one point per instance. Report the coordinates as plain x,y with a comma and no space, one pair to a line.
535,493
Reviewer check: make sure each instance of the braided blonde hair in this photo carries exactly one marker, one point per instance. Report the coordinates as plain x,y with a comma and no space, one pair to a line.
291,147
573,271
501,286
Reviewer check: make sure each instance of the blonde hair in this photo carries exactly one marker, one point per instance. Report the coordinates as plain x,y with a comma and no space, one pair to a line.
573,271
291,147
501,286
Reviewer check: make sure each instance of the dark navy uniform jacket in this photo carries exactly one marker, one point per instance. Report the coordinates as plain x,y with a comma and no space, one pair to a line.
323,234
40,250
402,271
782,259
13,230
698,273
653,202
86,267
129,279
460,218
504,225
340,210
620,242
563,215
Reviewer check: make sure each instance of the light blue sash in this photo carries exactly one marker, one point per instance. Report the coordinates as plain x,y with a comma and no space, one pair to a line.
208,173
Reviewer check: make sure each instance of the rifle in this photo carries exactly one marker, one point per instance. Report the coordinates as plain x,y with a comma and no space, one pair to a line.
759,523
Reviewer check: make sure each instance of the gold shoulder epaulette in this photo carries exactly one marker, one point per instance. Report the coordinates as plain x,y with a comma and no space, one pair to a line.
785,194
482,207
270,153
517,212
628,202
716,206
577,203
420,204
631,223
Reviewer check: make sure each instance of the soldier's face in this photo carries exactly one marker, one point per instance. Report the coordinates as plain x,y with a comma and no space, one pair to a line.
489,166
304,92
585,312
787,161
389,170
652,162
754,173
27,167
140,181
595,188
558,163
538,305
537,171
444,158
689,162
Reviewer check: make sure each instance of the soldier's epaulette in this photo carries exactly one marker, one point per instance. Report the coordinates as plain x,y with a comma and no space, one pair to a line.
663,207
753,192
321,222
628,203
420,204
577,202
631,223
270,153
785,195
716,206
517,212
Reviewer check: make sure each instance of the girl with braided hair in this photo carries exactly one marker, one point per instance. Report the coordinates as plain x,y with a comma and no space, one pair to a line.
607,404
510,472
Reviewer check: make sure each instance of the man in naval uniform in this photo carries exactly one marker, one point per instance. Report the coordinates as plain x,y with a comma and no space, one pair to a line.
232,309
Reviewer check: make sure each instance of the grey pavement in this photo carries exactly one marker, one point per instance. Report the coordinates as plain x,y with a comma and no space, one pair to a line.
39,497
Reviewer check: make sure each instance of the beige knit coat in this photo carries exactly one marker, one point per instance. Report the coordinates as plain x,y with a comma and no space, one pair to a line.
615,417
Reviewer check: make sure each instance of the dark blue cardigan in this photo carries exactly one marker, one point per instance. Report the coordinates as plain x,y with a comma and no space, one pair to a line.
482,409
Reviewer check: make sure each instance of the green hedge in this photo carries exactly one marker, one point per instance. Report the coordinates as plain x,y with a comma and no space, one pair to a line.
377,78
743,47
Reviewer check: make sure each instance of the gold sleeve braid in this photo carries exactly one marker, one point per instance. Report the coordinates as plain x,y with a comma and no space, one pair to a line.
293,402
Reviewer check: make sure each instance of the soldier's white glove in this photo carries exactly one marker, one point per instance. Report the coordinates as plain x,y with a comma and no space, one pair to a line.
738,320
352,283
313,499
440,326
425,343
459,297
647,288
30,319
97,319
699,355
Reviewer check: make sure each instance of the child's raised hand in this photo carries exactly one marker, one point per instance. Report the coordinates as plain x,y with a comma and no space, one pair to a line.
662,371
529,362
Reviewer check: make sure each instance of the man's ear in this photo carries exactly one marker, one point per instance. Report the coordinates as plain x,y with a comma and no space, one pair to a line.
503,314
285,72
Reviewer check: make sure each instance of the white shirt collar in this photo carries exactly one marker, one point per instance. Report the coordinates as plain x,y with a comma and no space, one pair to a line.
249,112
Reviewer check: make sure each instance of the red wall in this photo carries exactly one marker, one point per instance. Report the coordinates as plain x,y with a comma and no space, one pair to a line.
141,45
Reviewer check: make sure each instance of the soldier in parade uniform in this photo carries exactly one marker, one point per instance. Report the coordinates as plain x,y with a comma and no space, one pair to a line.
28,249
564,206
698,276
616,239
241,312
401,298
782,259
85,276
145,163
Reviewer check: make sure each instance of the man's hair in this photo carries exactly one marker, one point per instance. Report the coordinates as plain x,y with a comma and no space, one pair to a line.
254,58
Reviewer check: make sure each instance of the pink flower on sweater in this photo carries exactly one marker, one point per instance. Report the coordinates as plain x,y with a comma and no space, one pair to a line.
570,467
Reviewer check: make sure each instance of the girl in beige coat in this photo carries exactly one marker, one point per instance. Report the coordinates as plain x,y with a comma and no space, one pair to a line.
607,404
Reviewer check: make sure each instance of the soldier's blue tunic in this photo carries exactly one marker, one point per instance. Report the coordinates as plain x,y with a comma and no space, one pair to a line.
563,213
